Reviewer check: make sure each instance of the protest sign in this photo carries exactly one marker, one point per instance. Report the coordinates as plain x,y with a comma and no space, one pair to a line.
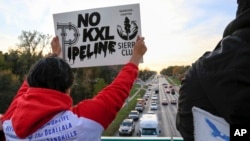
98,37
209,127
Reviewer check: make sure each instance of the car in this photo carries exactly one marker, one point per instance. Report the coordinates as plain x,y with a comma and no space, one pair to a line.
154,101
164,102
173,101
168,91
149,85
151,112
146,95
139,107
153,106
134,114
172,91
127,127
154,97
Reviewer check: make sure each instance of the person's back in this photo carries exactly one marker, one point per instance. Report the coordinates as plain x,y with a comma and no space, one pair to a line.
42,108
219,81
65,125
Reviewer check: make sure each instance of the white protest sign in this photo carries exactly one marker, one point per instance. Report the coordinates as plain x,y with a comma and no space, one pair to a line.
98,37
208,127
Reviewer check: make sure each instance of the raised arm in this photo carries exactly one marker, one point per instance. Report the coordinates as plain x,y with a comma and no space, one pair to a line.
105,105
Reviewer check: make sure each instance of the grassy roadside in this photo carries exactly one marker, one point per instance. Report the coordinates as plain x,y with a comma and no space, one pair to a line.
134,89
123,113
173,80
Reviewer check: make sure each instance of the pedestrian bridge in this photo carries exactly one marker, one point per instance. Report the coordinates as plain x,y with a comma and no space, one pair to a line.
141,138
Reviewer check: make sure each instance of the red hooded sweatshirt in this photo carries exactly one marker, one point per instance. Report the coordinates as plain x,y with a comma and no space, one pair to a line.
45,114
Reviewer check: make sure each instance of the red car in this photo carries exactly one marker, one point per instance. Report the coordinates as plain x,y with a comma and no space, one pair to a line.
173,101
164,102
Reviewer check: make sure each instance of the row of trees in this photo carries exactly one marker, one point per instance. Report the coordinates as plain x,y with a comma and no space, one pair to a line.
176,71
15,64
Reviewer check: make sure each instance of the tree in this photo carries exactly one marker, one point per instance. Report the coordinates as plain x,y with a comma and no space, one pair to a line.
99,85
33,43
31,48
8,87
2,61
168,71
15,64
146,74
176,71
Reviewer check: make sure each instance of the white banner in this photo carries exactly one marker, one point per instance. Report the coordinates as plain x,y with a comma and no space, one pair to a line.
98,37
208,127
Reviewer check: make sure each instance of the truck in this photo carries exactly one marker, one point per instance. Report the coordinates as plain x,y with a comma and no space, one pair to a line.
149,126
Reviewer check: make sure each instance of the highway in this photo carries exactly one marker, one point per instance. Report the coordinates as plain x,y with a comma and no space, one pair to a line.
166,113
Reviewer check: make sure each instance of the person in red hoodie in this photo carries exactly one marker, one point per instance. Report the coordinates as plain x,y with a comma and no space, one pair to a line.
42,109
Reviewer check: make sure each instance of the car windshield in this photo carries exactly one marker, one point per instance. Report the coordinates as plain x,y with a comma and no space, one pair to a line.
149,131
150,112
126,124
133,113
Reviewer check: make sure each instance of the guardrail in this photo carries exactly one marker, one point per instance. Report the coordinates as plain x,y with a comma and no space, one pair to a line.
104,138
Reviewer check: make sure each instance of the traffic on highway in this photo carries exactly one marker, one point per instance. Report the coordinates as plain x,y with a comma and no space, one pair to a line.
155,113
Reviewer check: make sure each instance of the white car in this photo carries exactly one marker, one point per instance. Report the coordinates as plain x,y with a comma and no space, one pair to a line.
146,96
151,112
139,108
127,127
153,106
154,97
134,114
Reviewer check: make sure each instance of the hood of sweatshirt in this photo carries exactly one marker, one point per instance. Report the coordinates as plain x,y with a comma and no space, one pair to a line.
36,107
240,22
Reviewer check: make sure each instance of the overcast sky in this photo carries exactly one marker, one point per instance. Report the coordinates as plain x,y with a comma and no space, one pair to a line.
176,32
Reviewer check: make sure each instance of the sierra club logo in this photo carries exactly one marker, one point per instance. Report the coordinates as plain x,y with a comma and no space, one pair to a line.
127,33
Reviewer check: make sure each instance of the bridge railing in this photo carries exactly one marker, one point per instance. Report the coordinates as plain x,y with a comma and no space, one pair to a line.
104,138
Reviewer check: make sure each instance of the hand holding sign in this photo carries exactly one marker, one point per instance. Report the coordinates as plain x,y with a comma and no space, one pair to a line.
138,51
55,46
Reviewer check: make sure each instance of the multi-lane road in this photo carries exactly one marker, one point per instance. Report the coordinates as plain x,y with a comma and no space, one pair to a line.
166,113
